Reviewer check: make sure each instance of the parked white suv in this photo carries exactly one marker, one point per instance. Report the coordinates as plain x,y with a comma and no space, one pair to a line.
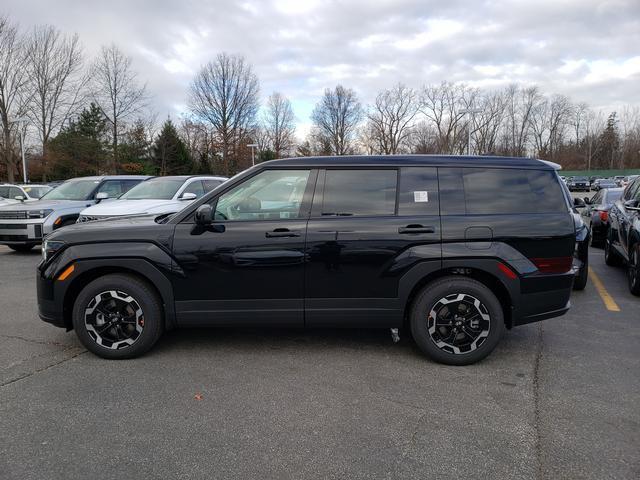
22,193
156,196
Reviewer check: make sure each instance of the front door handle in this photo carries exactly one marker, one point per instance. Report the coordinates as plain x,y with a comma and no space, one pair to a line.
414,228
281,232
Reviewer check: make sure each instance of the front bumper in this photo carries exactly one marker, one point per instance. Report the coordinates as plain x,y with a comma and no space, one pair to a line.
50,308
22,232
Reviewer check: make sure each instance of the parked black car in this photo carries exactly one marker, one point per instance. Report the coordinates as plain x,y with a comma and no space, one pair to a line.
455,248
579,184
583,238
622,244
596,213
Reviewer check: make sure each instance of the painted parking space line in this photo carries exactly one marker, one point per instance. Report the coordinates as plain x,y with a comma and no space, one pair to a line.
607,299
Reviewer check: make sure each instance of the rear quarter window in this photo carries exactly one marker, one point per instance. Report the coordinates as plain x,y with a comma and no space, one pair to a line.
510,191
418,191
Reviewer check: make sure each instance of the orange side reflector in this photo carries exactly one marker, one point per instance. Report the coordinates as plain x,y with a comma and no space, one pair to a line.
58,220
68,271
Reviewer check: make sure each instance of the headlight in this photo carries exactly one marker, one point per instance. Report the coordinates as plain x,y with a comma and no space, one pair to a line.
39,213
49,248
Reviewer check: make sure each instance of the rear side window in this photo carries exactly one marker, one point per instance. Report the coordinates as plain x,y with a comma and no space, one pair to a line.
360,192
505,191
418,191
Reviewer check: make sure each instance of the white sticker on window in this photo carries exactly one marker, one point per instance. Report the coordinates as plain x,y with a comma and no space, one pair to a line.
421,197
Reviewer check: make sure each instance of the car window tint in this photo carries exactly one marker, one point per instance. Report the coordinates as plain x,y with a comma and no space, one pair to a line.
210,184
195,187
506,191
418,191
269,195
113,188
451,191
360,192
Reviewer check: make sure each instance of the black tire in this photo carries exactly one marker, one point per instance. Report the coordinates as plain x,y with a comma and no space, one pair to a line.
423,324
21,248
580,282
148,323
633,269
611,257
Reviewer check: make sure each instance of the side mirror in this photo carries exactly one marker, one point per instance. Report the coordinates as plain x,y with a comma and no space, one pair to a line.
19,197
101,196
188,196
587,200
578,203
204,215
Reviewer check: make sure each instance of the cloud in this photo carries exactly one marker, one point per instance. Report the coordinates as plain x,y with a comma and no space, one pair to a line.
587,49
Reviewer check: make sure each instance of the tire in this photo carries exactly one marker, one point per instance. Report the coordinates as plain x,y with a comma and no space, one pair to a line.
21,248
580,282
611,257
633,269
119,294
435,298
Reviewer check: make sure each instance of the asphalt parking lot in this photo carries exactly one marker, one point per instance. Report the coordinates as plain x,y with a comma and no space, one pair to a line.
558,399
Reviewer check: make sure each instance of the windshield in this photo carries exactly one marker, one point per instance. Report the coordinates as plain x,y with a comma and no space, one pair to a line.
36,192
73,190
156,189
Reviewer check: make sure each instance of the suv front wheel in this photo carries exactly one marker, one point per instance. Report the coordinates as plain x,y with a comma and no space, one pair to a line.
118,316
456,320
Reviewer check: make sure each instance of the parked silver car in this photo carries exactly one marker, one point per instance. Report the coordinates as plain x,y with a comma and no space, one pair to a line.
24,225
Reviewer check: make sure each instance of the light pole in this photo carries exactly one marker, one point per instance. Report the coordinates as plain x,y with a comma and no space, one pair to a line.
253,147
470,112
22,120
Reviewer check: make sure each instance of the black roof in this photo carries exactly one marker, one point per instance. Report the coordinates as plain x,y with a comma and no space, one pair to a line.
412,160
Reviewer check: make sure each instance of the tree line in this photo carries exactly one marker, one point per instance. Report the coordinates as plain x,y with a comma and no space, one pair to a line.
93,116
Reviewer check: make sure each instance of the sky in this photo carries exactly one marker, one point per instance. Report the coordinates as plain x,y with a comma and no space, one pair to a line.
587,49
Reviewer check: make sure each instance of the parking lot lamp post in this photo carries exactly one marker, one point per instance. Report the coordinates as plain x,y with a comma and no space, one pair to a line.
253,149
470,112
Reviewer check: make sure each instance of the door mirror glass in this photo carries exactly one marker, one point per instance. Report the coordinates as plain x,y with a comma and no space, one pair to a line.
204,215
578,203
269,195
188,196
19,197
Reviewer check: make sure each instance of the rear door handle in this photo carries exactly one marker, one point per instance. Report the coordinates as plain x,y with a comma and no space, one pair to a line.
417,229
281,232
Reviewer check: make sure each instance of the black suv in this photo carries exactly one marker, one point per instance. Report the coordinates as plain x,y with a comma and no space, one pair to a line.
622,244
455,248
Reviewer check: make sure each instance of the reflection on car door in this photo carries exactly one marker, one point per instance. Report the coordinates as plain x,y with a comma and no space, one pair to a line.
248,268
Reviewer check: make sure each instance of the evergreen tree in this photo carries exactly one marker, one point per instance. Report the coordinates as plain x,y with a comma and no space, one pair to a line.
608,143
134,151
170,155
81,147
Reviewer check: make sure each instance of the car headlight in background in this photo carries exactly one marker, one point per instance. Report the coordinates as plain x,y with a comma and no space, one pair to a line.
39,213
49,248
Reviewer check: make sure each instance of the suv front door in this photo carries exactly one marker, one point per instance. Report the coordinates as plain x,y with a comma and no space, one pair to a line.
363,235
248,267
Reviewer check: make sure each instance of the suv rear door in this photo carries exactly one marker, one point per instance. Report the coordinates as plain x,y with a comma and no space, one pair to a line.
364,224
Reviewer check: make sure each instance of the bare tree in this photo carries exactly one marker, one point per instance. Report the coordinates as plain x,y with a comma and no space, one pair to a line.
54,64
391,117
278,122
116,90
12,84
224,94
336,118
520,104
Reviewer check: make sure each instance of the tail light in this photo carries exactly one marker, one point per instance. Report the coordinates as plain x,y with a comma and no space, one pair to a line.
604,216
553,265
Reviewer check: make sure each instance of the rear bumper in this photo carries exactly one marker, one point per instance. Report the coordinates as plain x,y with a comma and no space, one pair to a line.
543,297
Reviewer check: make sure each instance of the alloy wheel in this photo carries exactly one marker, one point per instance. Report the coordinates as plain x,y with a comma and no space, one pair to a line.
114,319
458,323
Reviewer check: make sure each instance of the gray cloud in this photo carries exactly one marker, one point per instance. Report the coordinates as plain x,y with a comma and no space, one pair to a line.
587,49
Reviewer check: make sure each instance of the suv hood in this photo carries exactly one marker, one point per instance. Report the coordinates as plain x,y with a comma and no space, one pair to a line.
46,204
110,230
135,207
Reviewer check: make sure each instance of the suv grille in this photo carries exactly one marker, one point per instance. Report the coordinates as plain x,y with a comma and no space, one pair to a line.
15,215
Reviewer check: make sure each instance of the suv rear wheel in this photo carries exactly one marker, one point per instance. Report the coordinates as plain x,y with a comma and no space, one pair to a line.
118,316
456,320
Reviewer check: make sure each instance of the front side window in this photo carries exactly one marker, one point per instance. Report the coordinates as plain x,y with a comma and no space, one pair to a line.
113,188
36,192
210,184
195,187
359,192
16,192
270,195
